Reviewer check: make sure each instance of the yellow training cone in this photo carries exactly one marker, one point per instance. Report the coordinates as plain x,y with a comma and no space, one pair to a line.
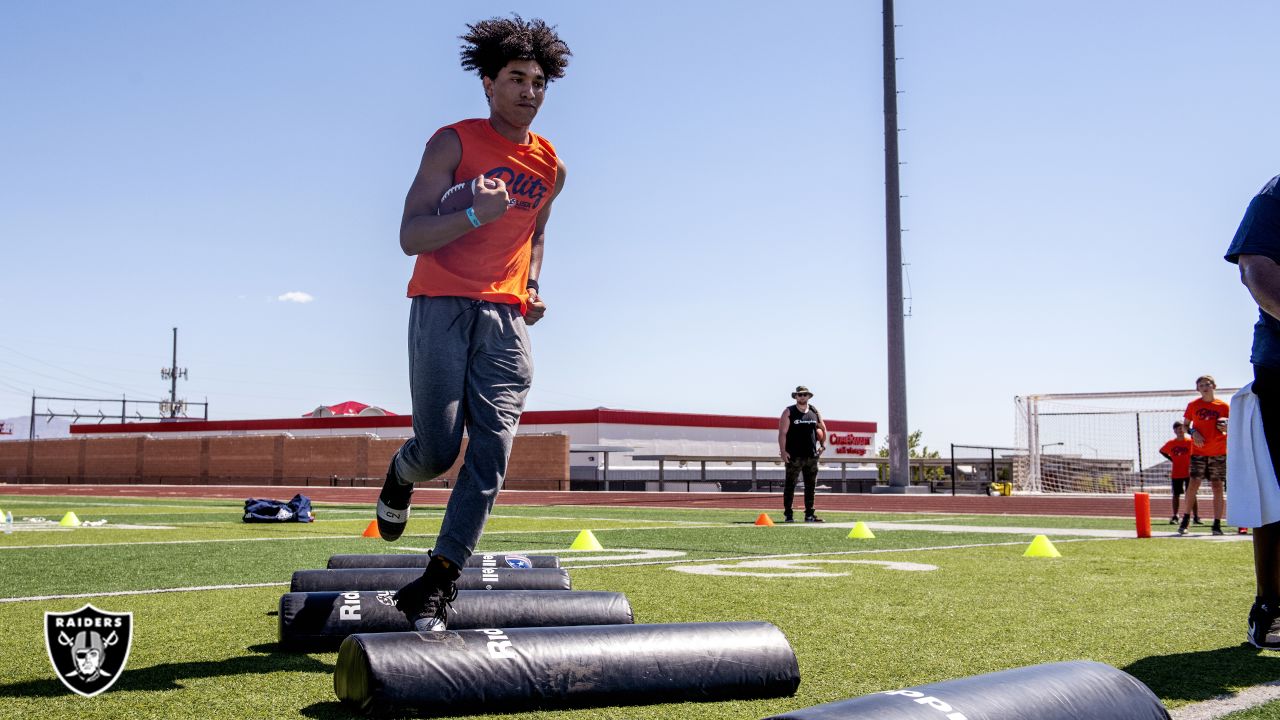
860,531
1041,547
69,520
586,541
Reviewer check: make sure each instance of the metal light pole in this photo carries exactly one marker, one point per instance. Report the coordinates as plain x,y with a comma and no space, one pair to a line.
172,373
899,470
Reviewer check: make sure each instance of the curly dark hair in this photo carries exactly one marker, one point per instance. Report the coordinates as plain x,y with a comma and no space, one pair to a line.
493,43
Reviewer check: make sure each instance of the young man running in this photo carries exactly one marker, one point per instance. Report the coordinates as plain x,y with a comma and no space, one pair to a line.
1178,452
474,289
802,436
1207,418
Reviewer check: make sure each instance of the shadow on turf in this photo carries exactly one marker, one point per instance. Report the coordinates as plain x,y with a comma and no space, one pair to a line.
334,710
1196,676
267,658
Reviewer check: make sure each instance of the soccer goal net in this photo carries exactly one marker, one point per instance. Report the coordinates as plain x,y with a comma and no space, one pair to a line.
1098,442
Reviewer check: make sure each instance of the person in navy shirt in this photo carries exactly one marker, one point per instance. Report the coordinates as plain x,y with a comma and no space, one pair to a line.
1256,249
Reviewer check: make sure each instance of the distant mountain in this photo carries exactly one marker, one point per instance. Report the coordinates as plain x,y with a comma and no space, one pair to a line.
21,428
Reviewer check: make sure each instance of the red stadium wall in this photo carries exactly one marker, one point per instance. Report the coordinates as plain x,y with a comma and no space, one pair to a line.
249,456
56,458
538,462
170,458
14,460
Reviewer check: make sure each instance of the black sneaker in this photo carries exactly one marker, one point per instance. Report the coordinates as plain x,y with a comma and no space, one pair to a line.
393,506
1173,520
1182,528
1217,529
812,518
1197,521
788,518
426,600
1264,627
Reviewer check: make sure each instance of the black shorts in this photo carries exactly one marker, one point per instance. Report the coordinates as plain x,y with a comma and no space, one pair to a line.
1209,468
1179,485
1266,385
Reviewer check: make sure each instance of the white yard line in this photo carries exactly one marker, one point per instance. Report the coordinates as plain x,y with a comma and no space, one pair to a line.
300,537
993,529
602,519
933,519
76,503
693,523
157,591
1010,530
612,565
52,546
1227,704
812,554
601,529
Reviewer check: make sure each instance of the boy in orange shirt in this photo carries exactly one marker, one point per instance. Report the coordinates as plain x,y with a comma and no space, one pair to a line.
1207,417
1178,452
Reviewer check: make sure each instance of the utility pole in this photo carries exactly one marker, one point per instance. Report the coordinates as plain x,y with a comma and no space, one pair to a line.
172,373
899,470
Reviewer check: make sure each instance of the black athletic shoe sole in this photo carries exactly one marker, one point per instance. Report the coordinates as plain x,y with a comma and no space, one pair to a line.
1263,644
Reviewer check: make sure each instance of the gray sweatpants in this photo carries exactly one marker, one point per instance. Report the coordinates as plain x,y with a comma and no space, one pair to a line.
469,367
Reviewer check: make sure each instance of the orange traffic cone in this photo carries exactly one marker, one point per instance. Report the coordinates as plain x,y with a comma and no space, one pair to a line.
764,520
372,530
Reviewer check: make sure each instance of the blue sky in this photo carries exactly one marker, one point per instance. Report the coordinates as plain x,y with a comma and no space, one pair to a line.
1074,173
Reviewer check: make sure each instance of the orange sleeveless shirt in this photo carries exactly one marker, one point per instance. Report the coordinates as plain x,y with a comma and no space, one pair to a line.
491,262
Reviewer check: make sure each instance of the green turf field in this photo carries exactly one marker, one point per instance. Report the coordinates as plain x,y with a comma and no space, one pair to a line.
1169,611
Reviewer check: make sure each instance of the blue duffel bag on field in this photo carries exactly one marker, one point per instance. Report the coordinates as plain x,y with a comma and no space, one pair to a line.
296,510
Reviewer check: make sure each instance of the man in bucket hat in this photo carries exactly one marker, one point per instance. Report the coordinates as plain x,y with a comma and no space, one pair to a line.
802,436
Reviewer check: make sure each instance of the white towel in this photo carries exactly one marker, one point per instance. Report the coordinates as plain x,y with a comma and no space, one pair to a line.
1253,495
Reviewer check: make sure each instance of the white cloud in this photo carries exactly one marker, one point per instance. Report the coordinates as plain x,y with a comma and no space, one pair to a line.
295,296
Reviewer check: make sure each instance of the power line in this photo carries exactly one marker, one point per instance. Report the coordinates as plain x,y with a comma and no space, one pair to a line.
98,387
62,369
